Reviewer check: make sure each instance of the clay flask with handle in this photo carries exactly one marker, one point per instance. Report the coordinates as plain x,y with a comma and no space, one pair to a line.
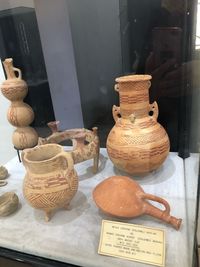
122,197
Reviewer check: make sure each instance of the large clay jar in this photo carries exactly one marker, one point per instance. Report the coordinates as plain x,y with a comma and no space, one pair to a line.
137,144
19,113
50,181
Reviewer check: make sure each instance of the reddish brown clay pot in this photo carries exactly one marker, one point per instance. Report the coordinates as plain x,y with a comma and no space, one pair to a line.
122,197
137,143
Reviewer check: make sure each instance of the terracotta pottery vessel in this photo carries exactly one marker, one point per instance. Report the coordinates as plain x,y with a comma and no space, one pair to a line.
85,143
50,181
137,144
122,197
19,113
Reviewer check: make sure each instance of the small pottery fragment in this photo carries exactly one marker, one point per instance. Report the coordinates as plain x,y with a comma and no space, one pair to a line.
122,197
9,203
3,173
50,181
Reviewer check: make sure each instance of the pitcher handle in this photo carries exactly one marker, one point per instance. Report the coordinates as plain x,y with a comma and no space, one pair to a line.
68,162
158,199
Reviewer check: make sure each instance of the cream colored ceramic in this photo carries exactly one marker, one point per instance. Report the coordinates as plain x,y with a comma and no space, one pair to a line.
19,113
3,173
137,143
50,181
85,143
9,203
122,197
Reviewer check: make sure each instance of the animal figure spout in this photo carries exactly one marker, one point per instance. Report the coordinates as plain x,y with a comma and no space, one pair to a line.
85,142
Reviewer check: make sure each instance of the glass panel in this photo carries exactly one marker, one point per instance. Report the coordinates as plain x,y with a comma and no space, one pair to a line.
70,52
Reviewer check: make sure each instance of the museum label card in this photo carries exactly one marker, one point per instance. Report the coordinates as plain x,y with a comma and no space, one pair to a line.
132,242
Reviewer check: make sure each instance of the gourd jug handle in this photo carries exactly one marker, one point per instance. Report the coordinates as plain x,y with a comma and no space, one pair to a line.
19,73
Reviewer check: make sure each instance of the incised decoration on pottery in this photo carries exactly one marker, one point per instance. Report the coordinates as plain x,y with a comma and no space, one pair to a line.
85,142
122,197
9,203
50,181
19,113
137,143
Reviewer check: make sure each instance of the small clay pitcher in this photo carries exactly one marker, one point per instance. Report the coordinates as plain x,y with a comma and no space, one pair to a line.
50,181
122,197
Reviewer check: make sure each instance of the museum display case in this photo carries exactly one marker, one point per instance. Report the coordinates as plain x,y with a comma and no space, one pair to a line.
100,123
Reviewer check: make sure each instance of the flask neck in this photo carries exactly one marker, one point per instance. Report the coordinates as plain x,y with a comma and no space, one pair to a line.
9,69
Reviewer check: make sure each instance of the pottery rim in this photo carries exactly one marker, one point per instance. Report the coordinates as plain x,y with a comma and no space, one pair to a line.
34,155
133,78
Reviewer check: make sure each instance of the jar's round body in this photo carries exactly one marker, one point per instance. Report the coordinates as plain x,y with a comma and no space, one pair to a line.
138,147
137,144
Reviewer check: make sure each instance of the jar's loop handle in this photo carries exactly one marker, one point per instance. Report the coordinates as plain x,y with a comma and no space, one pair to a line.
116,87
116,112
154,108
19,72
158,199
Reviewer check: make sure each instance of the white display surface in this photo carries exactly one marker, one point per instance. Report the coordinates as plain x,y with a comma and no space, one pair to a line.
73,236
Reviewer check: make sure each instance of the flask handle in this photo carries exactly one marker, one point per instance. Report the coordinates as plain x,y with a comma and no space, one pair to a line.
158,199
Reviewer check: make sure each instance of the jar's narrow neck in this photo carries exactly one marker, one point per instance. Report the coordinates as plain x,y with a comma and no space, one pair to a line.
9,69
134,98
